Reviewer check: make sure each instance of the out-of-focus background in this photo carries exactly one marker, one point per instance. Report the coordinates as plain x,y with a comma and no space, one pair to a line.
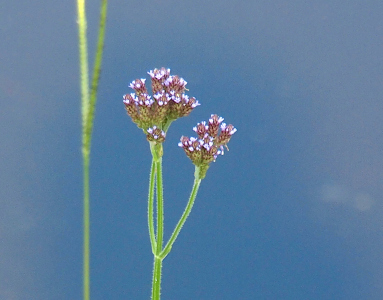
293,211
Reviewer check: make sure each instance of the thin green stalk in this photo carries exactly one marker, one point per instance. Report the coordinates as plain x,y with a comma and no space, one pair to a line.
157,151
160,206
84,83
156,286
86,229
181,222
150,206
87,114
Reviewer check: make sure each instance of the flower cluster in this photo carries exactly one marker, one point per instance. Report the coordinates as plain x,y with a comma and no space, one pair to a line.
169,102
210,142
156,135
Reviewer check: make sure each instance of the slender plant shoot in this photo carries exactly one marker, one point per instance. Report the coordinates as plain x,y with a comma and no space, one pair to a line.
154,115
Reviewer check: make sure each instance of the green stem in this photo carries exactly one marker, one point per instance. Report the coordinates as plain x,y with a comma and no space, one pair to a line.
87,113
156,286
160,206
150,206
84,83
157,152
181,222
167,125
86,229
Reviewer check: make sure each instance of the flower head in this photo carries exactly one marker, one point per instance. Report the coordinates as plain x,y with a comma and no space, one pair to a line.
168,103
212,137
155,134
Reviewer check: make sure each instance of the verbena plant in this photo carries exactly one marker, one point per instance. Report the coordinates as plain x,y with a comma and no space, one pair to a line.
154,115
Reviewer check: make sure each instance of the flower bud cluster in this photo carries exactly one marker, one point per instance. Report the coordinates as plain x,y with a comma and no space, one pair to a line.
168,103
212,137
155,134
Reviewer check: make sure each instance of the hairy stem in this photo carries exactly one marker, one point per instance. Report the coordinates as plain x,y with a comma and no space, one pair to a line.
156,286
185,215
150,207
88,105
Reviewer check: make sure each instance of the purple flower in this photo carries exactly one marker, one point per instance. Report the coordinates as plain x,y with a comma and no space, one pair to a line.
212,137
169,101
155,135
